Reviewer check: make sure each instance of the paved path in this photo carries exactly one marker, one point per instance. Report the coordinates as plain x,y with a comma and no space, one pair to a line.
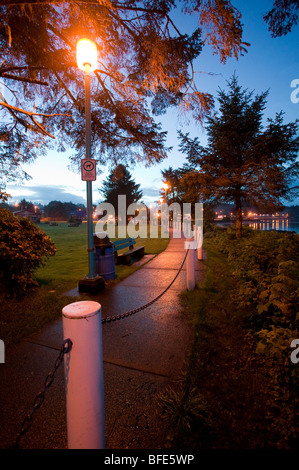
143,354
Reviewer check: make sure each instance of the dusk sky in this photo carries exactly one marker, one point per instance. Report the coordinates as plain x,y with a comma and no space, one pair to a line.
270,64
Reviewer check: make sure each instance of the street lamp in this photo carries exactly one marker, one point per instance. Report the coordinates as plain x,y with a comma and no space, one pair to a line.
87,61
86,55
165,187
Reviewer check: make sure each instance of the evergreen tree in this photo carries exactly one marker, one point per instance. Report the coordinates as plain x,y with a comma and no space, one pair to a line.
56,210
282,17
173,178
118,183
24,204
243,161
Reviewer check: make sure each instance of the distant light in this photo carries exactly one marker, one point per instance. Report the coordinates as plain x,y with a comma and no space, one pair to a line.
86,54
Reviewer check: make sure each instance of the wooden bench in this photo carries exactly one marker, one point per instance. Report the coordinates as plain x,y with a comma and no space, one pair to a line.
128,256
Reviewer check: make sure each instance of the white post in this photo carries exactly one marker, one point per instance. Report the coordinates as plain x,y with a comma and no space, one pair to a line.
84,381
190,268
199,241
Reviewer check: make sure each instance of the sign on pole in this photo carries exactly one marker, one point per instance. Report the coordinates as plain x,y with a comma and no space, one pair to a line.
88,170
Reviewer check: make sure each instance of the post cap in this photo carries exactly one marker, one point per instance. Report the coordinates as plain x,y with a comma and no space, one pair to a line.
81,309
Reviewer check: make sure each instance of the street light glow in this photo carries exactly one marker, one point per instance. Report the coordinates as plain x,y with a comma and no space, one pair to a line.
86,54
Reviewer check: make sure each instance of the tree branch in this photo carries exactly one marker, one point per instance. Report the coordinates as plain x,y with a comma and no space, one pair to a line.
24,79
31,114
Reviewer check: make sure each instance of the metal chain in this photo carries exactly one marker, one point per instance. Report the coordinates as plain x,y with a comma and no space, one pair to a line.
40,397
139,309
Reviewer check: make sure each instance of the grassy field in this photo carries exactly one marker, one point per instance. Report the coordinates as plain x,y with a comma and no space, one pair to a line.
70,263
20,317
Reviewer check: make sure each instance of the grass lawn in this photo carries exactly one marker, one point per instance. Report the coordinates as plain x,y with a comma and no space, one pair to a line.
20,317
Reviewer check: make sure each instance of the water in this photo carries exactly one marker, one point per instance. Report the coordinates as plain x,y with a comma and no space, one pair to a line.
288,225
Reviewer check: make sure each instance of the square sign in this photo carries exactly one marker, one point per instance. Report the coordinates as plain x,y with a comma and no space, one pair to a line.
88,170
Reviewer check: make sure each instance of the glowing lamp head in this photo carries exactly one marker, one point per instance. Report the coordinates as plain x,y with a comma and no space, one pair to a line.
86,54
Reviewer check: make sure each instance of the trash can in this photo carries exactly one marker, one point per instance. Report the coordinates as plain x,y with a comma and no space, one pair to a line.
104,256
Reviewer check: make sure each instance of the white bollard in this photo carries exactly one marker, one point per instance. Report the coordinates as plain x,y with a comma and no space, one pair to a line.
190,268
199,241
84,380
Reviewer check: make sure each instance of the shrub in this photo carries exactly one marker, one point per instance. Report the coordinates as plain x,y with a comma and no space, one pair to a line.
23,248
75,220
265,266
265,269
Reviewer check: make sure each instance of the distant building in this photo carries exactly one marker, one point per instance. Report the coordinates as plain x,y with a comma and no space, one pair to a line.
33,216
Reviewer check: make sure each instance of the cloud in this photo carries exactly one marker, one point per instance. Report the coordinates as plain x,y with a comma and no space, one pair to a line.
151,192
45,194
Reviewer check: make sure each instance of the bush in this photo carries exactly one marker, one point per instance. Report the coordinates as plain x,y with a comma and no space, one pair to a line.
23,248
75,220
264,267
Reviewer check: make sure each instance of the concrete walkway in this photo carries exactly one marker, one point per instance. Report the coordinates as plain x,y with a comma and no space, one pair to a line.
143,354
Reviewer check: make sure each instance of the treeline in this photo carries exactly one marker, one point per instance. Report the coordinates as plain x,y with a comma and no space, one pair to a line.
292,211
55,209
63,210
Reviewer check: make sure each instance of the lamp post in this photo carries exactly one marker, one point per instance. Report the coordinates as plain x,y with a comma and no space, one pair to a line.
87,61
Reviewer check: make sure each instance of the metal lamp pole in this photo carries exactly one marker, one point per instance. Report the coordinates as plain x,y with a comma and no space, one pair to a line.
91,262
165,187
87,61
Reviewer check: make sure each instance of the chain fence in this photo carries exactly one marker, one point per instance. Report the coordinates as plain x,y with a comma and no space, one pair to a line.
40,397
148,304
66,348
